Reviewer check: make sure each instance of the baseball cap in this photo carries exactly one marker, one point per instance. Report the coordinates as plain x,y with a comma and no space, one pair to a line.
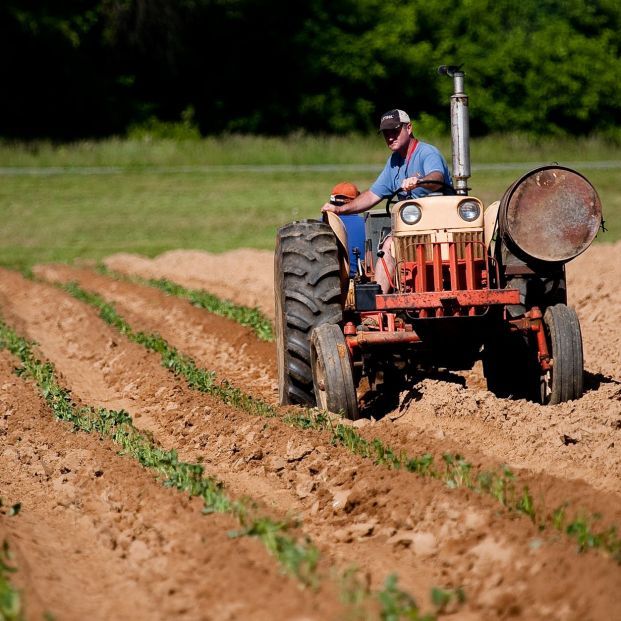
393,119
343,192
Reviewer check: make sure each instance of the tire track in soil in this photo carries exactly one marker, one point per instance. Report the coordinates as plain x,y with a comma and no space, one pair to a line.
382,520
576,440
437,416
98,537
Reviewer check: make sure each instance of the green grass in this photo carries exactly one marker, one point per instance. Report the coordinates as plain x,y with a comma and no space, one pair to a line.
140,209
296,149
454,471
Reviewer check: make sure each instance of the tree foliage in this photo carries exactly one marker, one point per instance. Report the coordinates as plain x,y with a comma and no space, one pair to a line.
93,67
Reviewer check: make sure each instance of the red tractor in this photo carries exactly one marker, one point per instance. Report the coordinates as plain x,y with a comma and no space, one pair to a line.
470,283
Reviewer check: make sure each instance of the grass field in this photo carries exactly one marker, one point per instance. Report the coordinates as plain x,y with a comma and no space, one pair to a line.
88,200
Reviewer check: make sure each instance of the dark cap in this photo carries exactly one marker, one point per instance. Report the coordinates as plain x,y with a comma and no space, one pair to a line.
393,119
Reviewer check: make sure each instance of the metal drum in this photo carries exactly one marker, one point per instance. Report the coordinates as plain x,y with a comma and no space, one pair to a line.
551,214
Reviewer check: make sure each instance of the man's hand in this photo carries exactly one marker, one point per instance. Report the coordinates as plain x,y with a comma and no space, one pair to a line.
364,201
410,183
330,207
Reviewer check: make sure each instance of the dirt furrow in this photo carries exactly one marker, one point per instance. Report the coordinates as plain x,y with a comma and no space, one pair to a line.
217,343
571,441
397,430
98,537
247,277
577,440
130,299
379,519
243,276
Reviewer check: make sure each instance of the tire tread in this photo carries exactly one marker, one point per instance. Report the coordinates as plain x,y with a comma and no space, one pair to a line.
308,294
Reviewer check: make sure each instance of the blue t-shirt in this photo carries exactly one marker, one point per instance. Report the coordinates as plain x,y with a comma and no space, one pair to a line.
425,159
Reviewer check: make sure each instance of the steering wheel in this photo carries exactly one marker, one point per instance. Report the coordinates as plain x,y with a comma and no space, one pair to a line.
445,186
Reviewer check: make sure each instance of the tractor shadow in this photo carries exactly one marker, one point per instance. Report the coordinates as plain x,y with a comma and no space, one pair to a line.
594,381
387,399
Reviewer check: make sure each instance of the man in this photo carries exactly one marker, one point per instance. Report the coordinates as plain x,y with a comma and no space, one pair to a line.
410,163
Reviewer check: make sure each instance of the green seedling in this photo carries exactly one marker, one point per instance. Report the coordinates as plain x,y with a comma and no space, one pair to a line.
251,318
442,598
10,599
297,557
526,504
395,604
457,472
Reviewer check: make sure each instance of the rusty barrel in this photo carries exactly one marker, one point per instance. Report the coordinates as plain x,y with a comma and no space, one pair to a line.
551,213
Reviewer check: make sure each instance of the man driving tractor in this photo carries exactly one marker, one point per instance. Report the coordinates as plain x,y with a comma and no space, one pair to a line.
410,163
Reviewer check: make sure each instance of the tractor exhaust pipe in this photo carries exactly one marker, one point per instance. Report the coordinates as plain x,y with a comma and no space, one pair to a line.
460,129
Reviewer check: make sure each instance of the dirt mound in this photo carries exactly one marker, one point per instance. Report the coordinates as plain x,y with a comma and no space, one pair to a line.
594,287
243,276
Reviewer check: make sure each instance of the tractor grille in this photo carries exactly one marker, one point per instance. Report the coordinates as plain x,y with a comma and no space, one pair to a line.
405,247
477,248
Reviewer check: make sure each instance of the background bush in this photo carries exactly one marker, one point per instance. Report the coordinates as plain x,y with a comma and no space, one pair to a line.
74,69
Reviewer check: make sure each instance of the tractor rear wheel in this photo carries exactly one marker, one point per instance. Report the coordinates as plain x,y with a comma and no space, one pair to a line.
565,379
308,293
335,389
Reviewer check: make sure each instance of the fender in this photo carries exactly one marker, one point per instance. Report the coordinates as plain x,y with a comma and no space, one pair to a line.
340,232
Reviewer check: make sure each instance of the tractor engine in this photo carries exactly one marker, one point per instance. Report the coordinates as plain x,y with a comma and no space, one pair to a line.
439,245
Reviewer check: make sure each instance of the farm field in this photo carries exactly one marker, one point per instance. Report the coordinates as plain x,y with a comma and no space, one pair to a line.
479,508
147,471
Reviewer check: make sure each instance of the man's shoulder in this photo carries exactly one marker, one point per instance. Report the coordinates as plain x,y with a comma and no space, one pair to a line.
427,148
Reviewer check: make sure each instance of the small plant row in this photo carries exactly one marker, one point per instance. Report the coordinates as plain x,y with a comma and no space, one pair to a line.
251,318
454,470
298,558
10,599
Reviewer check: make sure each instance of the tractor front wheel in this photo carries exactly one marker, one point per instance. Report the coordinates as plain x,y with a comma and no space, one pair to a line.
333,378
565,379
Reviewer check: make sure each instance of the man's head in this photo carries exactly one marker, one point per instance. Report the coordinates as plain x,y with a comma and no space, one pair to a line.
397,129
343,193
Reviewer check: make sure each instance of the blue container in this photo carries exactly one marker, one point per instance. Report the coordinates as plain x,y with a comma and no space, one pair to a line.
354,224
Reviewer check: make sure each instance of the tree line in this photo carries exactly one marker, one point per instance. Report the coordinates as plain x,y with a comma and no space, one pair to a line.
87,68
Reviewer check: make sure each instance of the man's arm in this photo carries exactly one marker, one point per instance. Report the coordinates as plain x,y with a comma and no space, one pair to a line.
361,203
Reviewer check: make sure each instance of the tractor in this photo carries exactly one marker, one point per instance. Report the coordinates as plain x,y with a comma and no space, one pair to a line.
469,283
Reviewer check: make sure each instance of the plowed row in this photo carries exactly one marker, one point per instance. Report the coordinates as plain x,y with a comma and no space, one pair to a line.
137,550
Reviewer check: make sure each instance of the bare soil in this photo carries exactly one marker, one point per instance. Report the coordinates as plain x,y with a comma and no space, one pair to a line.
138,550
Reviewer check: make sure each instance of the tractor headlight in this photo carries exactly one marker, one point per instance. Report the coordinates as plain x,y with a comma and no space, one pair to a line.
469,210
411,213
